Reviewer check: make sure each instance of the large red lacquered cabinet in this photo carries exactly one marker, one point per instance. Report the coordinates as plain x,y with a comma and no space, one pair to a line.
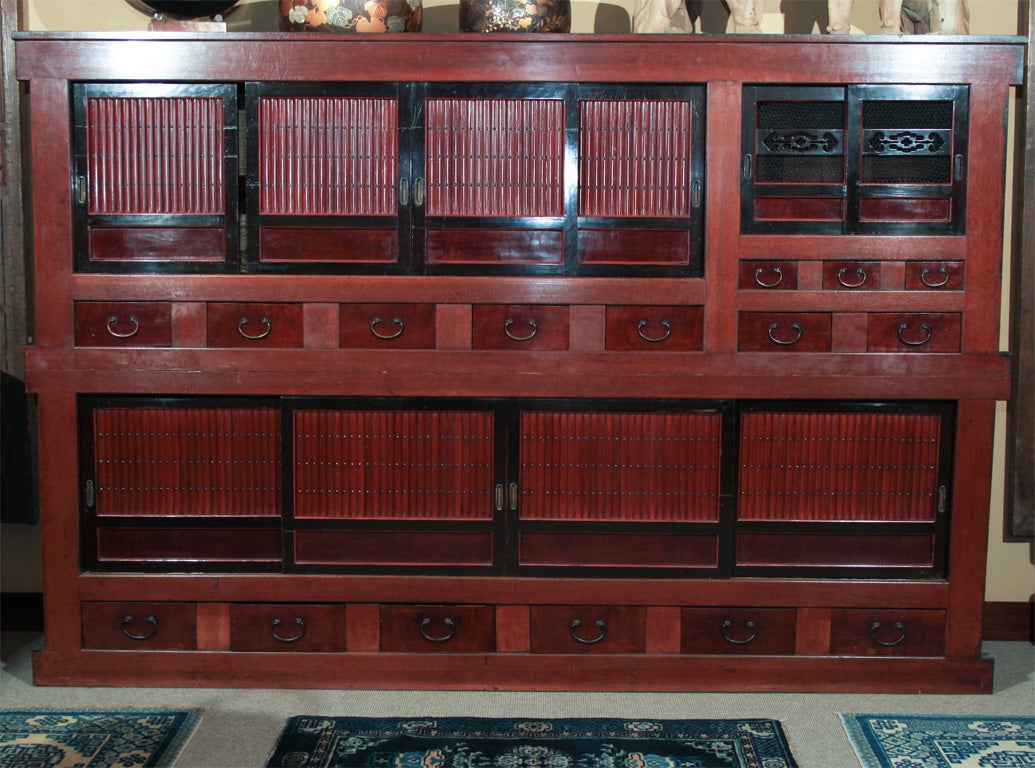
561,362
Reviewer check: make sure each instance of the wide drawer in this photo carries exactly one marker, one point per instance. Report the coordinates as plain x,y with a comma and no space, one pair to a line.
588,629
254,325
438,628
914,332
784,332
738,630
387,326
140,626
281,627
520,326
768,275
650,328
861,632
123,324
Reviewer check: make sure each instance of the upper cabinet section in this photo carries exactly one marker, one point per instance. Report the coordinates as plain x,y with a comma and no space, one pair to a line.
862,159
155,178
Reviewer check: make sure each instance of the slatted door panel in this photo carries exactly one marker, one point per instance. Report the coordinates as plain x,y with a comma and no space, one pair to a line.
393,465
189,462
622,467
156,177
853,467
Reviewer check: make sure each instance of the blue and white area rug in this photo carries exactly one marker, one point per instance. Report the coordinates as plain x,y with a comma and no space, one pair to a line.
124,738
359,742
949,741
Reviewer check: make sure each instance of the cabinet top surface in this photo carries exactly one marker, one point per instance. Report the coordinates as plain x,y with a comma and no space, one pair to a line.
520,58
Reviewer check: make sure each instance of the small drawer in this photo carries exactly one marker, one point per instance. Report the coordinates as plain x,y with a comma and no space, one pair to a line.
140,626
123,324
768,275
588,629
914,332
934,276
851,275
520,326
387,326
255,325
861,632
438,628
738,630
648,328
784,332
258,627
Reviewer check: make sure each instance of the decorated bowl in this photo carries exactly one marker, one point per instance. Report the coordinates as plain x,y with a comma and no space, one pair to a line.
346,16
190,9
515,15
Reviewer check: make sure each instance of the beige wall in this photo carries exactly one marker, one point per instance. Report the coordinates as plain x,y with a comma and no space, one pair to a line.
1011,576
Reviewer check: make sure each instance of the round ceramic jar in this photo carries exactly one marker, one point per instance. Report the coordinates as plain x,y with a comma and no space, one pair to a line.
347,16
515,15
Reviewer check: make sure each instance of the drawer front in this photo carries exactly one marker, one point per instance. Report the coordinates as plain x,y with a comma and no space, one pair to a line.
525,327
387,326
123,324
255,325
140,626
934,276
287,627
860,632
768,275
588,629
438,628
738,630
784,332
851,275
914,332
647,329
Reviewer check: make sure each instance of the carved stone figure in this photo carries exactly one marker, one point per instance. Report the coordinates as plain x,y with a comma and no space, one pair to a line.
672,16
948,17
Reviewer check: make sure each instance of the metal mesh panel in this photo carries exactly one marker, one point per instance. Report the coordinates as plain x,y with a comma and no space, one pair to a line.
906,170
815,115
907,114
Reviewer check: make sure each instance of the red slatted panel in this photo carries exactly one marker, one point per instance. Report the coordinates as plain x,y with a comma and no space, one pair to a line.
328,156
634,158
620,466
155,155
394,464
495,157
839,466
187,462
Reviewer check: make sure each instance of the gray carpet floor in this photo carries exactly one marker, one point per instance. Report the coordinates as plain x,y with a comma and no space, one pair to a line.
240,727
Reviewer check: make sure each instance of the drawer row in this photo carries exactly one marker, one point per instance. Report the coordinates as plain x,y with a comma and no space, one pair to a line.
607,629
528,327
867,275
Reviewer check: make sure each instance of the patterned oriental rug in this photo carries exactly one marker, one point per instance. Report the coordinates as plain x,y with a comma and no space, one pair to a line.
932,741
357,742
94,738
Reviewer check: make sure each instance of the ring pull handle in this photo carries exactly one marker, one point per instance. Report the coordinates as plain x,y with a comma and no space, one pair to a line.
153,628
898,625
654,339
925,328
531,324
255,337
396,321
759,271
725,630
113,320
798,332
859,273
599,623
942,271
299,621
447,622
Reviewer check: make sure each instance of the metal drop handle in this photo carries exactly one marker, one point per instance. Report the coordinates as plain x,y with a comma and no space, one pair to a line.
898,625
265,321
725,631
396,321
153,628
924,327
796,327
299,622
654,339
447,622
599,624
113,320
931,283
531,324
859,272
759,271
